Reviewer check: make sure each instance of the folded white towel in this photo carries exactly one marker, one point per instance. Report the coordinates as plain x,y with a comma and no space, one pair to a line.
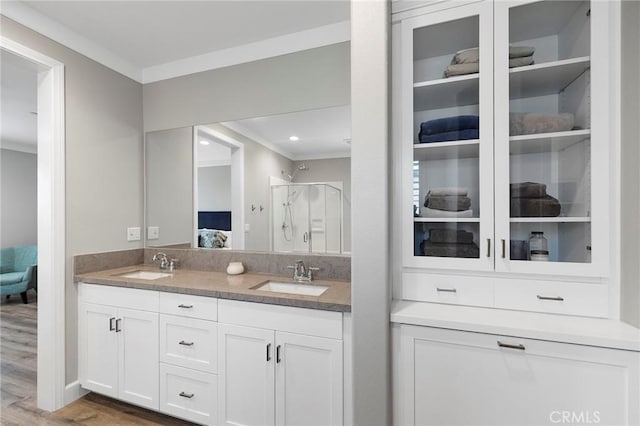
427,212
452,190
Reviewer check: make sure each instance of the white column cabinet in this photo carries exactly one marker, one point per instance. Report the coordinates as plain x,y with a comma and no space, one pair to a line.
119,353
504,147
450,377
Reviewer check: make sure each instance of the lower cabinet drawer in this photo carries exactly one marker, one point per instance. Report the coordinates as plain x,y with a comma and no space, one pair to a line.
459,290
552,297
189,342
188,394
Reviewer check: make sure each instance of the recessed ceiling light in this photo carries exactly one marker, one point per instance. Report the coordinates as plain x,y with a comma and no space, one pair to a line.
293,138
203,142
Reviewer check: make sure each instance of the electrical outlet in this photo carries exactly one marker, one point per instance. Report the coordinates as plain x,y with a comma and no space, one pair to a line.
133,234
153,232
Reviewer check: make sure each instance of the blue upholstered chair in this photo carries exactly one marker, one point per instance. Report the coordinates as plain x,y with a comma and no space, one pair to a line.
18,270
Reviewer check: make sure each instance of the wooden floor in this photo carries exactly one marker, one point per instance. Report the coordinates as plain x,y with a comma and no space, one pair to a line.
18,381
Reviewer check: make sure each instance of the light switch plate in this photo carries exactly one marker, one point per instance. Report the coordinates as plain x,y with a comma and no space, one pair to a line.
153,232
133,234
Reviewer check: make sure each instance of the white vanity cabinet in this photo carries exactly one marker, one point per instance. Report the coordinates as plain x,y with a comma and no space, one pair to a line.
279,365
452,377
501,146
118,354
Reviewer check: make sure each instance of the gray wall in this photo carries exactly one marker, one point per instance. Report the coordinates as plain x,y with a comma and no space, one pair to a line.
259,163
19,198
214,188
332,170
169,178
630,155
315,78
104,188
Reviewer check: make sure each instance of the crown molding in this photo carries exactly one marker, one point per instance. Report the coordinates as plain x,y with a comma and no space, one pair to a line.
46,26
276,46
290,43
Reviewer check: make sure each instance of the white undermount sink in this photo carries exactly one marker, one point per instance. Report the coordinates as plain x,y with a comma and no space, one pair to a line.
145,275
292,288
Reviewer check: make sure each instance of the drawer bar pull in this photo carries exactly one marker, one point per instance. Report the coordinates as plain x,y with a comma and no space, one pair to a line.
183,343
557,298
446,290
510,346
185,306
186,395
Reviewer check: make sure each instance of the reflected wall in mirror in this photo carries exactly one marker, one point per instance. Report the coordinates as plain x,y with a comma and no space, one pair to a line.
276,183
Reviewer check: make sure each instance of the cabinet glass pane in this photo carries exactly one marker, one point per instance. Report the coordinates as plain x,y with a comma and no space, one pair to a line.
446,193
549,131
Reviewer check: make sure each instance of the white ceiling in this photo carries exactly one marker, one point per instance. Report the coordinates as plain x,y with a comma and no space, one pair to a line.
323,133
18,100
154,40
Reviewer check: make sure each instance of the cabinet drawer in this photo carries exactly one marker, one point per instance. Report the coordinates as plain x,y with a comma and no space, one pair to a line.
459,290
552,297
187,305
132,298
189,342
188,394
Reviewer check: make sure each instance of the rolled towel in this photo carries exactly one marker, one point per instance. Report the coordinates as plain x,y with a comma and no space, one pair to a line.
461,69
450,203
450,236
520,62
457,135
449,124
427,212
451,190
546,206
450,249
528,190
531,123
521,51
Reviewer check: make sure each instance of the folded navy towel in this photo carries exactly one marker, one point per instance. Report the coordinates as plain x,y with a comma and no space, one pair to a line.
451,136
449,124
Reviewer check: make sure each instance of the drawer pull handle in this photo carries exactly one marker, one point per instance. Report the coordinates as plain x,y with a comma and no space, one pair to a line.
557,298
278,354
446,290
185,306
268,352
111,326
118,328
183,343
510,346
186,395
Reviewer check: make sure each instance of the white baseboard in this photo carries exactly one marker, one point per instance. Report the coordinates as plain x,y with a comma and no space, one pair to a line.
73,391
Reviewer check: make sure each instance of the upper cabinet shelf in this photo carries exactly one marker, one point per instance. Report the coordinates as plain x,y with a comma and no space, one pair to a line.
446,150
446,92
545,79
546,142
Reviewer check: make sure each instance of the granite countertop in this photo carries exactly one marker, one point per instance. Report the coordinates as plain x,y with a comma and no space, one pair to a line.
220,285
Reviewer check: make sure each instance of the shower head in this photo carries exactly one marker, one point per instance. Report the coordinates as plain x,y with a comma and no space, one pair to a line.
302,166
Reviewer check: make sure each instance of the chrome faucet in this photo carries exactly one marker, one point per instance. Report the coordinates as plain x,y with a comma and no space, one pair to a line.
301,272
165,262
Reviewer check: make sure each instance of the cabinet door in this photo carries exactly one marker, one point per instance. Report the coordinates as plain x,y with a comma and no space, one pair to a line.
98,349
138,357
308,380
245,375
446,138
462,378
552,137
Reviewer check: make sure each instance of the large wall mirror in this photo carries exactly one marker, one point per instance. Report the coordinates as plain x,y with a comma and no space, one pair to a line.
276,183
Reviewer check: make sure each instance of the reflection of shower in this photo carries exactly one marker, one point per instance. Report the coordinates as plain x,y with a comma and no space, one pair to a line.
287,221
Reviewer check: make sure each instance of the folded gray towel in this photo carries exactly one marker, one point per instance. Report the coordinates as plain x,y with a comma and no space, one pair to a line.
520,51
520,62
528,190
461,69
450,203
430,248
546,206
450,236
531,123
466,56
427,212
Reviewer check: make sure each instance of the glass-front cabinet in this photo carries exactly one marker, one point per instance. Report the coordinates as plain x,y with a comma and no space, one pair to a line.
504,138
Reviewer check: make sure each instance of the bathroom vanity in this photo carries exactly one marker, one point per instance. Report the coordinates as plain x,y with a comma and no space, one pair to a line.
212,348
